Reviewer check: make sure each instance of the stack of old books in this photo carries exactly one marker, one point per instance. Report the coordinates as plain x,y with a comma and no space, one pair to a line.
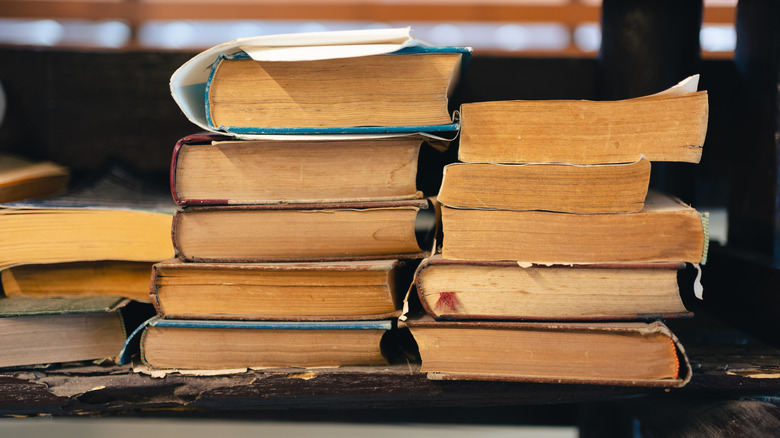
73,259
300,210
557,262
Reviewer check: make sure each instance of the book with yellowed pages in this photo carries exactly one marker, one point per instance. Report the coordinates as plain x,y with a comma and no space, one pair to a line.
39,331
343,82
114,217
665,230
22,178
667,126
470,289
79,279
219,170
341,290
313,232
607,353
214,345
608,188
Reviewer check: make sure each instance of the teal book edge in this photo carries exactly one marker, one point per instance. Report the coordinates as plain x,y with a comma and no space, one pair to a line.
360,130
132,344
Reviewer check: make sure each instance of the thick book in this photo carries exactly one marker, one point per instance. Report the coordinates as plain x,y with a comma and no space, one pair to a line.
22,178
79,279
344,290
665,230
469,289
209,169
606,353
668,126
607,188
294,232
213,345
39,331
114,217
344,82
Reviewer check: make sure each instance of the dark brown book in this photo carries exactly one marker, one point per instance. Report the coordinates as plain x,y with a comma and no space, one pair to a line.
342,290
294,232
468,289
607,353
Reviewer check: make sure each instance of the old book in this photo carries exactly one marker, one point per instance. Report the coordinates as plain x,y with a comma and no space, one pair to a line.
79,279
211,345
370,81
53,330
289,232
665,230
211,169
609,353
21,178
669,126
115,217
609,188
345,290
452,289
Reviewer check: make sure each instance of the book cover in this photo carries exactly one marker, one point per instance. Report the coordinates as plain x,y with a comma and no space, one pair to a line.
212,169
190,83
344,290
607,353
201,344
39,331
505,290
312,232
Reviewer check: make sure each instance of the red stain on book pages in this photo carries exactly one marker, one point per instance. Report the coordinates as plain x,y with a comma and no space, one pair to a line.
448,302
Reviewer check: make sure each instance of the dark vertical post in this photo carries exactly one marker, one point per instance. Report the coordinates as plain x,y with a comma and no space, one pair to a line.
648,46
754,223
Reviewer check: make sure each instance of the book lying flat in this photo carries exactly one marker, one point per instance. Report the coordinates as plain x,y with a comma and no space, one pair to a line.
369,81
469,289
39,331
213,345
218,170
79,279
667,126
609,188
115,217
346,290
21,178
294,232
607,353
665,230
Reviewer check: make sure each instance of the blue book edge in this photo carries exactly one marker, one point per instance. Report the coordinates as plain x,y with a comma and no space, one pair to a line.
132,343
421,129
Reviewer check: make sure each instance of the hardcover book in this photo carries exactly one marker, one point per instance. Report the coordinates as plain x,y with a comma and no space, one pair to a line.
665,230
213,345
219,170
313,232
345,82
79,279
608,188
115,217
470,289
38,331
667,126
345,290
613,353
21,178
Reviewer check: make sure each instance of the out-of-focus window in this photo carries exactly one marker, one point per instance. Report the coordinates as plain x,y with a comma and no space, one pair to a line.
523,27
